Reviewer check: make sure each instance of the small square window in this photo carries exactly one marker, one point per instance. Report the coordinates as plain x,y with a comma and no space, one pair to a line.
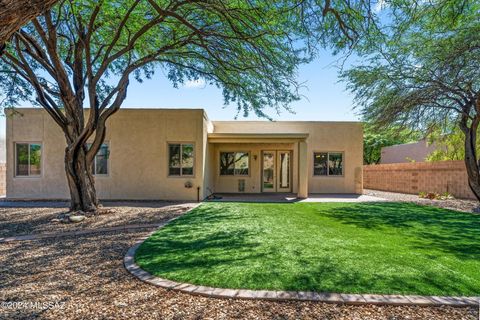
181,159
328,164
28,159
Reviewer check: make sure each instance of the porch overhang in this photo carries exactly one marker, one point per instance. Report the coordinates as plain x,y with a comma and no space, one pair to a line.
256,137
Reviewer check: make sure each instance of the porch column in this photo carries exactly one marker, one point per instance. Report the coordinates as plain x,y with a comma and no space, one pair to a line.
302,170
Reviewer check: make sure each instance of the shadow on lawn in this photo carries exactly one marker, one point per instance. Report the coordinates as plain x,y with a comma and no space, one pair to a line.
445,230
196,247
328,275
222,246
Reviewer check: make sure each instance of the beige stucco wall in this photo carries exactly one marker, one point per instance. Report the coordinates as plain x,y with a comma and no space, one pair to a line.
208,159
345,137
138,167
138,162
407,152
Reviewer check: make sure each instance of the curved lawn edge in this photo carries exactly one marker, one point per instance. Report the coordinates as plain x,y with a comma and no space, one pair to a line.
327,297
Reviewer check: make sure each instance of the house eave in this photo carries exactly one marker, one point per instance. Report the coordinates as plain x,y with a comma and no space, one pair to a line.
256,137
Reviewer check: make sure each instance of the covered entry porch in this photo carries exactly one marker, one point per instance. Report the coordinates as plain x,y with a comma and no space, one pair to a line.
259,163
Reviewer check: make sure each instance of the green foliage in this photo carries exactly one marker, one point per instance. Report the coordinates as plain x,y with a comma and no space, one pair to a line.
384,248
421,70
251,50
248,50
435,196
374,139
450,145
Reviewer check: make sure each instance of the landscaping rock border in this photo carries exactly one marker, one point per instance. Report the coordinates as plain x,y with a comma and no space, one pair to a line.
339,298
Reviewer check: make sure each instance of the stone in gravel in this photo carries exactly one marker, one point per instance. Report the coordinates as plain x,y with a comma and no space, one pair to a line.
76,218
63,215
452,204
106,211
55,220
121,304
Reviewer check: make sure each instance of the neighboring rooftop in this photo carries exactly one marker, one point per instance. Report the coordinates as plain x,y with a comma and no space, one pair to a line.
407,152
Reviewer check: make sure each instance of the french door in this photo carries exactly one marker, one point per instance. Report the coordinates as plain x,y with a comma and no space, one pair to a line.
276,171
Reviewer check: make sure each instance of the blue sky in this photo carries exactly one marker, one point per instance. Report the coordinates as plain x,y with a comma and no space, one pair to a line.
325,98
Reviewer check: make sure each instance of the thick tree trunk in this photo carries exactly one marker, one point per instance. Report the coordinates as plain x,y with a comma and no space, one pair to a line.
471,161
15,13
80,181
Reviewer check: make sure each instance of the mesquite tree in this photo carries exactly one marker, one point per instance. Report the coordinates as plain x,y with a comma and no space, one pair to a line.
82,53
425,75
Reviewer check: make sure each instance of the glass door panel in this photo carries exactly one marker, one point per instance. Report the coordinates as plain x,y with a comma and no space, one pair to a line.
284,171
268,174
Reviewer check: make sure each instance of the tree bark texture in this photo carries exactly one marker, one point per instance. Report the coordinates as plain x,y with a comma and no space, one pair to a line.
470,129
80,179
15,13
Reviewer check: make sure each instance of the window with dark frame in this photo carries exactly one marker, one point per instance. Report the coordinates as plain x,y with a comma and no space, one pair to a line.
28,159
100,162
234,163
328,164
180,159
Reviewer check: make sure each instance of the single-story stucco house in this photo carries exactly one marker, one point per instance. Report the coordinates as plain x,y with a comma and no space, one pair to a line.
179,154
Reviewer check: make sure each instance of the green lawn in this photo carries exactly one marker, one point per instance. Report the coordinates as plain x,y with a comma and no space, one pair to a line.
388,248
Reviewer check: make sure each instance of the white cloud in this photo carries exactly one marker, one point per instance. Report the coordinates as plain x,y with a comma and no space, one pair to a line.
193,84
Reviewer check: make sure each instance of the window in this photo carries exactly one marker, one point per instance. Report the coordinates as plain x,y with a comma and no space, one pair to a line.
234,163
100,163
28,158
180,159
335,164
328,164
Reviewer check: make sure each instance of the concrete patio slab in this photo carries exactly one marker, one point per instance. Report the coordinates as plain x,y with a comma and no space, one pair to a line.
291,198
341,198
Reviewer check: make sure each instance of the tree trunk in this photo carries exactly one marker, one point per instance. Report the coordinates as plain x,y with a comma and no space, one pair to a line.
15,13
471,162
80,181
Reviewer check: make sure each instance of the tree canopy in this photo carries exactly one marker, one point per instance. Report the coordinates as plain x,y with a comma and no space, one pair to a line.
83,53
374,140
421,72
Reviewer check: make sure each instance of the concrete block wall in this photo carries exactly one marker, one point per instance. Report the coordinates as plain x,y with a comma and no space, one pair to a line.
416,177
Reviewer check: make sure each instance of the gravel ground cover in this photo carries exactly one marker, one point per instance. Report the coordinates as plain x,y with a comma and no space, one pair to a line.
20,218
85,277
453,204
